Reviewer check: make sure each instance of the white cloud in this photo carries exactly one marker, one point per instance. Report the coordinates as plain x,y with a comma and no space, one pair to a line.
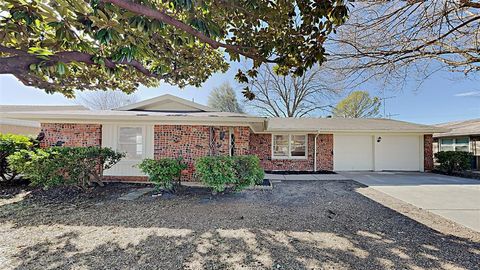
469,94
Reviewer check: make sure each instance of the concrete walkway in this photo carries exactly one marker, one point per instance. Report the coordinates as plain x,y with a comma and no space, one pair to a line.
454,198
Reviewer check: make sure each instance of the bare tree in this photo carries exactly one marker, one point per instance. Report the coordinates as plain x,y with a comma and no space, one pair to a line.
402,40
105,100
290,96
358,104
223,98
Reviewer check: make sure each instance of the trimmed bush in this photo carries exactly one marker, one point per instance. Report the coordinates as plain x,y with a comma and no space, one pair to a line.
76,166
215,172
9,144
248,171
452,161
219,172
163,172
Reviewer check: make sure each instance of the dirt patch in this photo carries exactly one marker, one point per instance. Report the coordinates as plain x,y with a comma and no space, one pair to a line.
297,225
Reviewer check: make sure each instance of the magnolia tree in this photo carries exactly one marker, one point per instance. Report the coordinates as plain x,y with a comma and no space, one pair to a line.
62,45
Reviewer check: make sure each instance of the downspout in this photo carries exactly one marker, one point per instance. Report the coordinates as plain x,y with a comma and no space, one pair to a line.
315,153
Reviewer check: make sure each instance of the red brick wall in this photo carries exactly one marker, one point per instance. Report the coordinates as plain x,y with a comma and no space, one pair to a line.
261,146
325,152
72,134
428,152
191,142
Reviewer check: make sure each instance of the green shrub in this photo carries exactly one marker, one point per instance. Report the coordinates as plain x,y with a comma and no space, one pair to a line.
220,171
163,172
77,166
216,172
452,161
248,171
9,144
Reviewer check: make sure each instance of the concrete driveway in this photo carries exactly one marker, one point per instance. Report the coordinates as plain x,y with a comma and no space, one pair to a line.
454,198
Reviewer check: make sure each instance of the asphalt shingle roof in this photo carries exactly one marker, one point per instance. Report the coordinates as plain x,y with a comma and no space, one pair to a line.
347,124
460,128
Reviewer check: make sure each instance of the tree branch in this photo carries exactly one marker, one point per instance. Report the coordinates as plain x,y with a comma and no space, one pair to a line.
21,60
162,16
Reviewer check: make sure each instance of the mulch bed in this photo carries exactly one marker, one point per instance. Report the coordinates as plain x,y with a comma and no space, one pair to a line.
297,225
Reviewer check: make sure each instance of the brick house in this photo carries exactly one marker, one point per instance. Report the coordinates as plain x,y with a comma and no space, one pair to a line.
464,136
168,126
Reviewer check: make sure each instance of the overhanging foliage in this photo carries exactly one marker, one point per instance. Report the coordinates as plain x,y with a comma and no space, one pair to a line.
64,45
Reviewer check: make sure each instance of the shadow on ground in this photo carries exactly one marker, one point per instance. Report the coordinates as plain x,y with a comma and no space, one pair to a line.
298,225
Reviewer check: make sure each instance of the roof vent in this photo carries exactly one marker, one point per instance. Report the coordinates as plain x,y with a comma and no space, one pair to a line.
142,114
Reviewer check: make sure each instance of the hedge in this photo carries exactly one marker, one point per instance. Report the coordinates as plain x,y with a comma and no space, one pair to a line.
453,161
163,172
77,166
10,144
218,172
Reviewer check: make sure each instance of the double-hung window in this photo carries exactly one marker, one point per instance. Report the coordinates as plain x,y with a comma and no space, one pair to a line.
130,142
455,144
289,146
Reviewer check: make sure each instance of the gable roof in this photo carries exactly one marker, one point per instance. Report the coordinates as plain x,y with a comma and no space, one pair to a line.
347,125
166,103
460,128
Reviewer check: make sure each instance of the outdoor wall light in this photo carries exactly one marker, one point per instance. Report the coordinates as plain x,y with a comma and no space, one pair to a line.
379,139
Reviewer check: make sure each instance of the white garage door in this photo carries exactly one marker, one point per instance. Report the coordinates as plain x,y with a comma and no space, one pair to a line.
357,152
353,152
397,153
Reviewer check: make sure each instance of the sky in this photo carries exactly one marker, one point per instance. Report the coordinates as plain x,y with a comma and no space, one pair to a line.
439,99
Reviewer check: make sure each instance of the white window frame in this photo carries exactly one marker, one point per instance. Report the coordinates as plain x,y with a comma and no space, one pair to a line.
290,146
455,144
143,140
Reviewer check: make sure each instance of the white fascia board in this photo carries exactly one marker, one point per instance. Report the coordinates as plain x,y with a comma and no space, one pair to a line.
312,131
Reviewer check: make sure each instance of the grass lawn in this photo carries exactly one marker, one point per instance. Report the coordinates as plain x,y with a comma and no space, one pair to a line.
297,225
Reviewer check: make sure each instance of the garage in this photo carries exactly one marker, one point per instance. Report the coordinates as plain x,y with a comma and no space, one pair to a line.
397,153
377,152
353,152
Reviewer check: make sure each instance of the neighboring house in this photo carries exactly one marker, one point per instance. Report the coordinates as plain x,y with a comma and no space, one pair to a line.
463,136
26,127
168,126
21,127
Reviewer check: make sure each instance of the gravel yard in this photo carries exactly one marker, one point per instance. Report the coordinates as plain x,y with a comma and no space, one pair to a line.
297,225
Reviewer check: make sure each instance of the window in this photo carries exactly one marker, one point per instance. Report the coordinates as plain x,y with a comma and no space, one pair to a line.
231,142
289,146
458,144
130,141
